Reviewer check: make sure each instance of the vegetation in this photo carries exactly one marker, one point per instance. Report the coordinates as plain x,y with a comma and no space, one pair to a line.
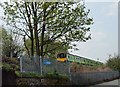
114,62
48,25
56,75
10,64
62,22
27,74
87,68
50,53
10,47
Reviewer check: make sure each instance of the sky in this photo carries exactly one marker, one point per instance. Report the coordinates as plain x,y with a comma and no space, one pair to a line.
104,31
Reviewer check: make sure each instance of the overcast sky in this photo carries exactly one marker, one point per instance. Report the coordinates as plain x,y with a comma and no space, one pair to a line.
104,31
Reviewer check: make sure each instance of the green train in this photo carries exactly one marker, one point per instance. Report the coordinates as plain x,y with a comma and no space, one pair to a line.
64,57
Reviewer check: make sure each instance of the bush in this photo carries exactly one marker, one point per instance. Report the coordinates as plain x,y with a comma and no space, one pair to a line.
51,75
10,63
27,74
10,60
56,75
114,62
6,67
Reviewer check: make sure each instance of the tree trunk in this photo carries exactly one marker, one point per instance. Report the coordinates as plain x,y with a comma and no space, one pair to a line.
43,32
35,28
35,20
31,30
42,37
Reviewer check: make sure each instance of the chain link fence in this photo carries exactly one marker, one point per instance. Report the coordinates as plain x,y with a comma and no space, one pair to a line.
48,65
28,64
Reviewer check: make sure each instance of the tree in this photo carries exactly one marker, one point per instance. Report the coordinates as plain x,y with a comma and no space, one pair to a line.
114,62
60,21
50,50
65,22
10,48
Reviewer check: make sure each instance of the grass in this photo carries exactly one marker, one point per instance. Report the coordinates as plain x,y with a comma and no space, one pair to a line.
27,74
36,75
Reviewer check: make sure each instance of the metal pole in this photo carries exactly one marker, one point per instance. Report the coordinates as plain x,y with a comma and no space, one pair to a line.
41,67
21,64
69,71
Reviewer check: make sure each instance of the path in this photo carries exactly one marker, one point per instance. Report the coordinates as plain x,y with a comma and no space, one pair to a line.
115,83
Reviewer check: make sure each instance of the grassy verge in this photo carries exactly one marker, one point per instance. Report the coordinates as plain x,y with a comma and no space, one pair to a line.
27,74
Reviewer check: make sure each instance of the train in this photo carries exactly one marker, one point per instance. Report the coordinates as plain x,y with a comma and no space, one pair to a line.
67,57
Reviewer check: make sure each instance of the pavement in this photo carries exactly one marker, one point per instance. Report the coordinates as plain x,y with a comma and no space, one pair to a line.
114,83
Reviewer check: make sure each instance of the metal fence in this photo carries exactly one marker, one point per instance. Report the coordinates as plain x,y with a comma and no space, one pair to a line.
62,68
48,65
52,65
93,77
29,64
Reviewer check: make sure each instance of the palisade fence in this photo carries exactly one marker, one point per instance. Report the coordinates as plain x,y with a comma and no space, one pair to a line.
93,77
48,65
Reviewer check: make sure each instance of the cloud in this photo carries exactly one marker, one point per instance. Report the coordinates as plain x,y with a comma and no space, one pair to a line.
98,36
94,48
112,9
104,30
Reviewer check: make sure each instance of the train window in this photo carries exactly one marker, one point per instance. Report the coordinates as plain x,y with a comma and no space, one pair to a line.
62,55
69,57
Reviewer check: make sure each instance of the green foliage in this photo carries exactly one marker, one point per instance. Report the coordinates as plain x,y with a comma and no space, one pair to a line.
6,67
63,22
9,45
56,47
6,42
10,63
27,74
56,76
114,62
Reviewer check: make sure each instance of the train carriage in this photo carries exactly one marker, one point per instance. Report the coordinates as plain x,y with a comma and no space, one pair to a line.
64,57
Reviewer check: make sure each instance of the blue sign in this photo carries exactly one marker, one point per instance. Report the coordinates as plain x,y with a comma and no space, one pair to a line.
46,62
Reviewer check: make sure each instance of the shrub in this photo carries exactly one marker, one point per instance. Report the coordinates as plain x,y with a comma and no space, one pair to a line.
6,67
56,75
10,63
114,62
27,74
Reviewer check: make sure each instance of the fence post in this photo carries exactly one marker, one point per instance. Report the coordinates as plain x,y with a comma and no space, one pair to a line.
69,72
119,79
21,64
41,67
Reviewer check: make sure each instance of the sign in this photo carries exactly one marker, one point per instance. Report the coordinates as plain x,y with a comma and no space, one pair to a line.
46,62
